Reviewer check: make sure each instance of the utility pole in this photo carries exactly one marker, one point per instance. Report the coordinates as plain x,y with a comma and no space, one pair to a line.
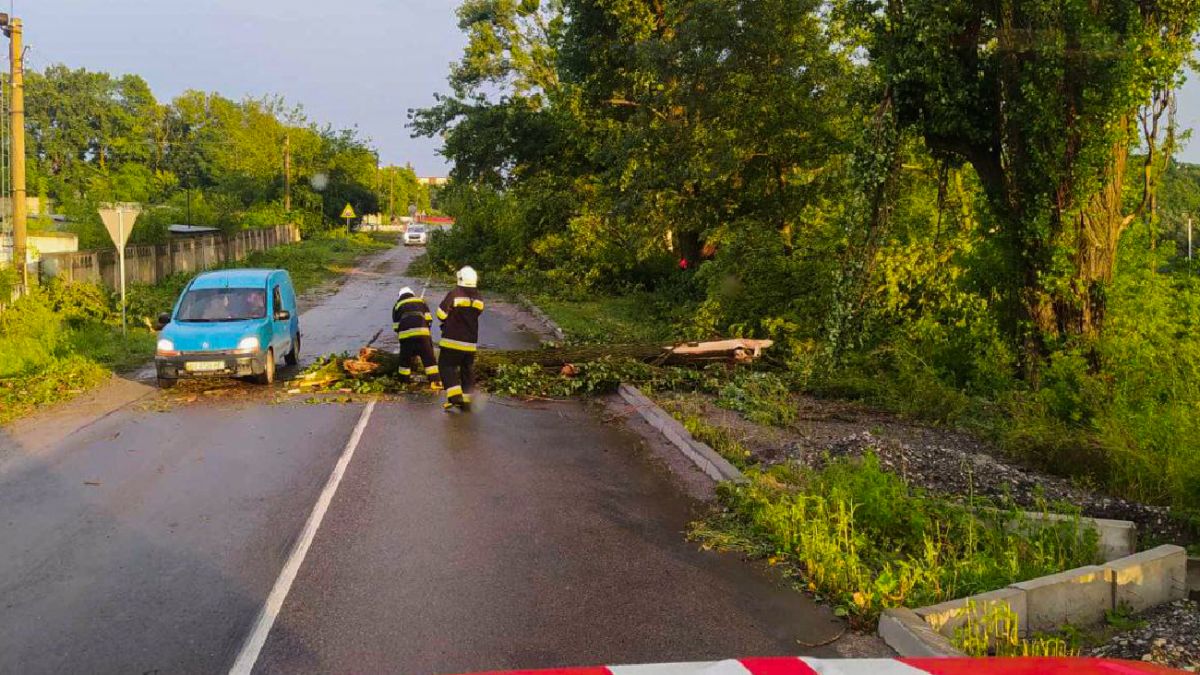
392,195
16,57
287,172
1189,238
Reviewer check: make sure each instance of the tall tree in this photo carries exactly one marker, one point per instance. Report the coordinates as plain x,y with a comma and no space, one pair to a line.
1042,97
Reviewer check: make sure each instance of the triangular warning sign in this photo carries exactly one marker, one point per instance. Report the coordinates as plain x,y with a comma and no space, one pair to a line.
348,212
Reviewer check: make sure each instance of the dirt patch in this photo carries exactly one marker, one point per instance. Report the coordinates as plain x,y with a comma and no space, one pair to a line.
943,461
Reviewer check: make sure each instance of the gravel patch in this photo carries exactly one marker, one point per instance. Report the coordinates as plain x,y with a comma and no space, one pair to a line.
943,461
1169,637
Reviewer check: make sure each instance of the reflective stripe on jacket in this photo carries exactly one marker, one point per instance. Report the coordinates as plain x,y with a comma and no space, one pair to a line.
459,314
411,317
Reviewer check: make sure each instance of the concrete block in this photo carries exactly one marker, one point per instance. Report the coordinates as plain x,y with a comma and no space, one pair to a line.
909,635
1080,597
947,616
1118,538
1149,578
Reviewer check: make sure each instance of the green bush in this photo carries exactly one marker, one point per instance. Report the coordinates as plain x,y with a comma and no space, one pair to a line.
866,540
58,341
31,334
81,303
8,283
764,398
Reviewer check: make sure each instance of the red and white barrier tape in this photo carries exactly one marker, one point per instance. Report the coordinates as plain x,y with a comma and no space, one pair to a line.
907,666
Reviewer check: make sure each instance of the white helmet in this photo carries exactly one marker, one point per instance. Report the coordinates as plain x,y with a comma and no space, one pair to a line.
406,291
467,277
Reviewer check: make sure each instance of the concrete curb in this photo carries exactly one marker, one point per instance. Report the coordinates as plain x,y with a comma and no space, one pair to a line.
708,460
543,317
1079,596
909,635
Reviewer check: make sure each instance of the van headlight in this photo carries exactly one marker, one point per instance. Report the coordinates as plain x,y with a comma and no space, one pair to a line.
248,345
166,348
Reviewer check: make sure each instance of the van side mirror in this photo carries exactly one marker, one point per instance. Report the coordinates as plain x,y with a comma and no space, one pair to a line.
163,320
283,315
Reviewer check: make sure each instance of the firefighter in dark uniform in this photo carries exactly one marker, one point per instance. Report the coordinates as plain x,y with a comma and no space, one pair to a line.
411,320
459,314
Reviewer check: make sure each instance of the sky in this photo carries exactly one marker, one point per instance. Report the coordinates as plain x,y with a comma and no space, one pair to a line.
349,63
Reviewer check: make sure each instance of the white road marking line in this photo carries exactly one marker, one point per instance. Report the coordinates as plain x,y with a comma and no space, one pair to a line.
266,618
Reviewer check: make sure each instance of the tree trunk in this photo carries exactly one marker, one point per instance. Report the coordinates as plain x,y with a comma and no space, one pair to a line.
372,362
1098,233
1078,309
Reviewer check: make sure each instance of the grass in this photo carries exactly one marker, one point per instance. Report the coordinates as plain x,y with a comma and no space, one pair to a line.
612,319
865,540
65,339
994,632
46,357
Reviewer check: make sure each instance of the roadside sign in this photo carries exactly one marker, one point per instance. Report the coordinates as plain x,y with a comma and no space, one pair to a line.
118,220
348,212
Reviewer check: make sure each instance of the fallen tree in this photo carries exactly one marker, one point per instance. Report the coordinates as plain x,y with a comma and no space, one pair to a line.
372,362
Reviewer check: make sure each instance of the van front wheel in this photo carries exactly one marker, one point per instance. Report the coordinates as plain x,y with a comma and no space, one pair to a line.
293,357
268,374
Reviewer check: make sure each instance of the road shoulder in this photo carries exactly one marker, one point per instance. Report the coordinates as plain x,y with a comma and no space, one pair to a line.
55,423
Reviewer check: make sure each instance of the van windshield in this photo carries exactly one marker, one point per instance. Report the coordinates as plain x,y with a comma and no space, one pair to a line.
223,304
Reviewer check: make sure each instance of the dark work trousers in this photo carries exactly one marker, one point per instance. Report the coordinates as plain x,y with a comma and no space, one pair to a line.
419,347
458,374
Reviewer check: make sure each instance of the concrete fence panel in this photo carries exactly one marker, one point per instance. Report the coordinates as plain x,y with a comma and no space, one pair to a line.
152,264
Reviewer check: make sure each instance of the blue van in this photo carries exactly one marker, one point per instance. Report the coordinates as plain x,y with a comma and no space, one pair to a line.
230,323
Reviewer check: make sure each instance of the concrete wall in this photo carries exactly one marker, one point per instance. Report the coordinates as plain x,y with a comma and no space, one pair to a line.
1080,597
1118,538
58,242
151,264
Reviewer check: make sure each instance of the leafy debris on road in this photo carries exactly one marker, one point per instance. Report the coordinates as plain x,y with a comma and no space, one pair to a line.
552,372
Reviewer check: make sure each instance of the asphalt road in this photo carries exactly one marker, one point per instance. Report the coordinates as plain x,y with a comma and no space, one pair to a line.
516,535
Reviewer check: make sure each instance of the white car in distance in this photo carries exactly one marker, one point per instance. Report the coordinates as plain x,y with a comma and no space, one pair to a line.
416,235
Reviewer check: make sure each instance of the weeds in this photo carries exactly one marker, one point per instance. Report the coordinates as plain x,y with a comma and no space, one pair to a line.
59,341
993,632
1122,619
720,439
866,540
